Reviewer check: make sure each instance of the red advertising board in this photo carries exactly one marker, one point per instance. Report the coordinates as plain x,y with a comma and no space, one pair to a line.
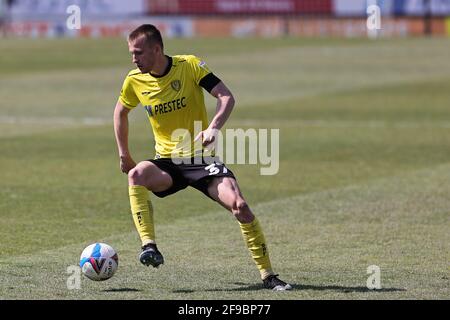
222,7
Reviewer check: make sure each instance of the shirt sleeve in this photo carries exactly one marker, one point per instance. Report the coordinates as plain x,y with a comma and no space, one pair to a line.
128,96
209,81
199,68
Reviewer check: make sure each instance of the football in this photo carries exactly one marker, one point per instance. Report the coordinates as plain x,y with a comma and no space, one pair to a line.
99,261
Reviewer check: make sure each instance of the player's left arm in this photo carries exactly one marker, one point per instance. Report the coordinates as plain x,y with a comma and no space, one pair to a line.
225,104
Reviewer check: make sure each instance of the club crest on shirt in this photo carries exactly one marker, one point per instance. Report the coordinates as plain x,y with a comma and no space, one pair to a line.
176,85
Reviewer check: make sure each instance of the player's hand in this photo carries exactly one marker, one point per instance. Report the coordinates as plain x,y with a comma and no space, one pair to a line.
126,163
208,137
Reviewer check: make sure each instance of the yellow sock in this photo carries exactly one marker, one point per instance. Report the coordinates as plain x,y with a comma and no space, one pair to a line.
254,238
142,211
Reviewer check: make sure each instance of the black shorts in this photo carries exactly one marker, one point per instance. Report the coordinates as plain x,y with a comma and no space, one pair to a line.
196,173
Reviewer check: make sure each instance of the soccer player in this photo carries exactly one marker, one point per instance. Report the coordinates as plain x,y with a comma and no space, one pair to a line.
171,90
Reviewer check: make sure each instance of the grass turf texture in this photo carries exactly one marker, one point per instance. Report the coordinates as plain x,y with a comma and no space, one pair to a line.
364,171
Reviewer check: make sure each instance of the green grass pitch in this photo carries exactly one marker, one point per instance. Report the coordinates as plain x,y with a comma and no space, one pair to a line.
364,173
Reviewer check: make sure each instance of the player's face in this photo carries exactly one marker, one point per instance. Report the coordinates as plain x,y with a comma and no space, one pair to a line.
143,54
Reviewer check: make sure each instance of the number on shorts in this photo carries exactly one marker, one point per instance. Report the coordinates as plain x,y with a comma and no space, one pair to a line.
214,170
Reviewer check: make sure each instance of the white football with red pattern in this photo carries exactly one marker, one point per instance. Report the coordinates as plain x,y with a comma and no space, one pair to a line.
99,261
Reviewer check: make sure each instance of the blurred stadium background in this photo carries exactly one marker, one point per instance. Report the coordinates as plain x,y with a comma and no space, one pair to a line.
237,18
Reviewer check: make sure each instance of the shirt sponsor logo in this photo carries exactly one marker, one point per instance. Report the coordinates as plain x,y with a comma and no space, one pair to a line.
149,110
166,107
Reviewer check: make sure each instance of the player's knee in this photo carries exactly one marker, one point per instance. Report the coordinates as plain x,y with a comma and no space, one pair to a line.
135,176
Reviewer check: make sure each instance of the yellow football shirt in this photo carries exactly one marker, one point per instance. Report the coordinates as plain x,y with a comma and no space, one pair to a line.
173,102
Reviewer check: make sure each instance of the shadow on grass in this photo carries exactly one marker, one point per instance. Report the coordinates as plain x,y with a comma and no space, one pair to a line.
122,290
344,289
183,291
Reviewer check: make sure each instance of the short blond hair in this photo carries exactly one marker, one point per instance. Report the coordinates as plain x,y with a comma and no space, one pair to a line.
151,33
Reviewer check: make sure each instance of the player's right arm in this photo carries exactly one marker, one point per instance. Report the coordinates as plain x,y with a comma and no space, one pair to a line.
126,102
121,132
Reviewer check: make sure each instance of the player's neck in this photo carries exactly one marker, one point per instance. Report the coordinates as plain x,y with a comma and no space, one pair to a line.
160,66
